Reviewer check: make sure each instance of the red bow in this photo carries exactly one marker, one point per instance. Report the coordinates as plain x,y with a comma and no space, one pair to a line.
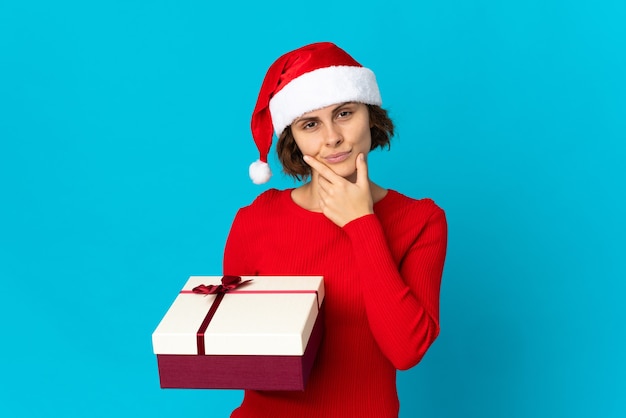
228,283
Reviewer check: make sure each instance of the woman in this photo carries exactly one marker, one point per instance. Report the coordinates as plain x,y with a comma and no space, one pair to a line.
381,253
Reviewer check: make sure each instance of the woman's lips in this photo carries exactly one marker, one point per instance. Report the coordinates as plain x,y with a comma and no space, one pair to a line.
337,158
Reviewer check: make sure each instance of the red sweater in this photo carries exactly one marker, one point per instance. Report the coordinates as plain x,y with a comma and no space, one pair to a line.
382,275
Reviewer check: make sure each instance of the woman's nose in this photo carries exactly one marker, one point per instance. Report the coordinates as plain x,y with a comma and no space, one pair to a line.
333,136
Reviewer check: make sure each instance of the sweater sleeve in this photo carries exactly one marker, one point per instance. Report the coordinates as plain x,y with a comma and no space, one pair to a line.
401,300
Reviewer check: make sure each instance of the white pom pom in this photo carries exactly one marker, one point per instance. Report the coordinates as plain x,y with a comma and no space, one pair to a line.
260,172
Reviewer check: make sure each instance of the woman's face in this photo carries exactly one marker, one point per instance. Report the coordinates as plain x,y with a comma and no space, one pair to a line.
335,135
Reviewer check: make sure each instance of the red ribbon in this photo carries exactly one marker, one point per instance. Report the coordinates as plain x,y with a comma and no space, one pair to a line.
228,283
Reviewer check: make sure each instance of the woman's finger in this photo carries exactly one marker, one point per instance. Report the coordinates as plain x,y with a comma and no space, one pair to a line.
323,170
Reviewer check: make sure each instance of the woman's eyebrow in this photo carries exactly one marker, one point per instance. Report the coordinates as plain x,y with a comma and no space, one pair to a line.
339,106
306,119
310,118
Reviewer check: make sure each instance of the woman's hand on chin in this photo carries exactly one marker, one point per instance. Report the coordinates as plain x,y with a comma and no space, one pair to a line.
342,201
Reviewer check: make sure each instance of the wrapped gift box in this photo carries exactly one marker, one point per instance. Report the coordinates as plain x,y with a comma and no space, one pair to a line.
262,335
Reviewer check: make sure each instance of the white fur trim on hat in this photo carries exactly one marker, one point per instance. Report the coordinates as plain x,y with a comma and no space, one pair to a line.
320,88
260,172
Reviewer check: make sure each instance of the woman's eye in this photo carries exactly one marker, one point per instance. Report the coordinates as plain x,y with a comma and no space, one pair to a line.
310,125
344,114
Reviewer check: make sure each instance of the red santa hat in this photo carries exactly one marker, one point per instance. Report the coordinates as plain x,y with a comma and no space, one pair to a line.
306,79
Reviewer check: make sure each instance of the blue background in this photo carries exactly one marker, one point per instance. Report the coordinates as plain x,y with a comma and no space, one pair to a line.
124,132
